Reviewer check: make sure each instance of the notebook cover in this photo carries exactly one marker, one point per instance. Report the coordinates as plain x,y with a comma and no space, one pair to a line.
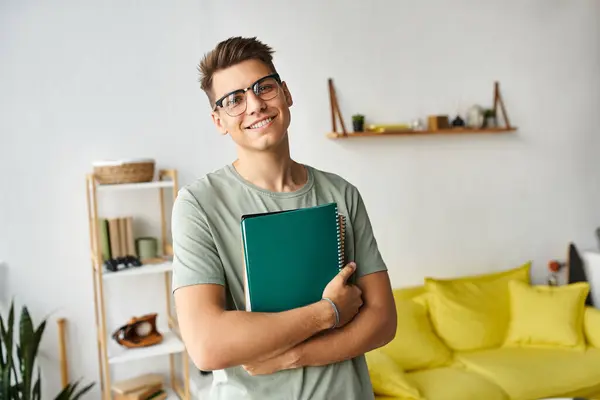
290,256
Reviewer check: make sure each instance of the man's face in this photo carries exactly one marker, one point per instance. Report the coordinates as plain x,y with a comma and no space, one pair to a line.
265,121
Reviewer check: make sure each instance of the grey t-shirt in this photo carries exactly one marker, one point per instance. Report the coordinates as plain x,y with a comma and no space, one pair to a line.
207,249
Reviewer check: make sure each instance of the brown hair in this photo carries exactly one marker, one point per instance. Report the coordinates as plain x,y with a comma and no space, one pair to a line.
230,52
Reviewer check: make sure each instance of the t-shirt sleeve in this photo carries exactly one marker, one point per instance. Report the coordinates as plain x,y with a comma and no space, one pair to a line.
366,251
195,256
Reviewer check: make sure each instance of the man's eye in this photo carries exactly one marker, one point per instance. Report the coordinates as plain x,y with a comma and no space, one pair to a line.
233,100
265,88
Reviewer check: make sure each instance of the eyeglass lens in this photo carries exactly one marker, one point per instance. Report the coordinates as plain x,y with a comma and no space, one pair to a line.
266,89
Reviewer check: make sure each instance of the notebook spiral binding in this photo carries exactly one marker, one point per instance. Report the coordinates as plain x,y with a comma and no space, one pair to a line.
341,236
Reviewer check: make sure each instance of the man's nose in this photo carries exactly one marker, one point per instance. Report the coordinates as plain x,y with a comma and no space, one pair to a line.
254,103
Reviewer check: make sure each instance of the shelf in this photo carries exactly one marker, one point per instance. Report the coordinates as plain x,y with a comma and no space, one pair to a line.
454,131
134,186
170,344
145,269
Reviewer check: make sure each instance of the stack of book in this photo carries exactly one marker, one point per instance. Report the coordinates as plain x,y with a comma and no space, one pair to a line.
143,387
116,237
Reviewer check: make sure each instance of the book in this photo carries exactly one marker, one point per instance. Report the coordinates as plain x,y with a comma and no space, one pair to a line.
104,239
122,236
114,238
137,383
290,256
131,251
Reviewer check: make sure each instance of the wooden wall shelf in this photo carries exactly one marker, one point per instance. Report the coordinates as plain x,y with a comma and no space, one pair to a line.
345,134
454,131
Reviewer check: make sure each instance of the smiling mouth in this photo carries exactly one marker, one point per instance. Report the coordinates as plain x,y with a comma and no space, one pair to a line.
262,123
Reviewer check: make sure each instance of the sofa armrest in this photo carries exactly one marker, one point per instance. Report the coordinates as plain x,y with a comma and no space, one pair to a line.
591,326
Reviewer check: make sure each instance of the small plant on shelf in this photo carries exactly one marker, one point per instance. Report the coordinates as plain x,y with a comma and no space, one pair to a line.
489,118
358,122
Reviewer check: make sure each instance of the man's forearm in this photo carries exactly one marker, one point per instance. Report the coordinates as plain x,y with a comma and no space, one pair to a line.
369,330
238,337
366,332
372,327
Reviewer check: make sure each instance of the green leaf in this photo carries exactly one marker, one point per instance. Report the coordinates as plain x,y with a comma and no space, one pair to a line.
29,342
83,391
2,360
63,394
6,336
37,388
69,391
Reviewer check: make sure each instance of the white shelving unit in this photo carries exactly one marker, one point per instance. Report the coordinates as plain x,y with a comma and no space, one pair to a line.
110,353
171,344
147,269
136,186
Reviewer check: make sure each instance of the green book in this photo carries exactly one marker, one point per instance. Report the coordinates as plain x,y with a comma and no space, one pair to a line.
290,256
105,239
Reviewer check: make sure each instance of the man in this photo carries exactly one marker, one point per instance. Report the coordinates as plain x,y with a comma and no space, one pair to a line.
298,354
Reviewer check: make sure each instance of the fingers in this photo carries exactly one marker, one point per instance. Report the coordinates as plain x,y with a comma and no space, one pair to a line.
358,293
347,271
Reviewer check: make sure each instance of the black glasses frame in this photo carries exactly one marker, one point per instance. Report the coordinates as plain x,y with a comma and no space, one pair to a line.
219,103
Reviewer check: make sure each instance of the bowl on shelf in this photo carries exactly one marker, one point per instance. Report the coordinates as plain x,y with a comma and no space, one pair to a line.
124,171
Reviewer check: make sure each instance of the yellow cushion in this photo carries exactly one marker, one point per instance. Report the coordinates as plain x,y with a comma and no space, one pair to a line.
547,315
416,346
592,326
455,384
388,379
408,292
471,313
534,373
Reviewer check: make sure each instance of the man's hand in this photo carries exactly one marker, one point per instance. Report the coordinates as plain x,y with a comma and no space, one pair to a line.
373,327
287,360
347,298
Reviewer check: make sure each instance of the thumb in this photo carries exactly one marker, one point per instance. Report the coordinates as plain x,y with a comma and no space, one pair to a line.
347,271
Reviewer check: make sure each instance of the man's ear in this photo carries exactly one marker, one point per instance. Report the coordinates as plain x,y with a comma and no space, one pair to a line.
218,122
288,96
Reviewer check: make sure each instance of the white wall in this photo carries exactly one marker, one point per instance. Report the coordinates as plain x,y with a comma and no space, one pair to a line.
82,81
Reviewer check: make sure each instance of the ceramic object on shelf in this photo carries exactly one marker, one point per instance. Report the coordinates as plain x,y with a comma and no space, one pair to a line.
475,117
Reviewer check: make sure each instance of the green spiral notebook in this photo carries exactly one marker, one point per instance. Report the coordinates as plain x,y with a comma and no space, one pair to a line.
290,256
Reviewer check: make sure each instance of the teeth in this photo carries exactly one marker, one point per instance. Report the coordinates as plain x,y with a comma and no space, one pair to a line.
261,123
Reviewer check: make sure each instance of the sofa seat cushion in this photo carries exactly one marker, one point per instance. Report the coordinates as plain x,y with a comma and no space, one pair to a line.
450,383
533,373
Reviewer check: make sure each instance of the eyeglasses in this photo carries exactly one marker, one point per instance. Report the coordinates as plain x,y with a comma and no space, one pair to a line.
234,103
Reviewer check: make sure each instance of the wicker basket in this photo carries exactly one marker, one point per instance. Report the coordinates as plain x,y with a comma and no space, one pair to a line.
124,171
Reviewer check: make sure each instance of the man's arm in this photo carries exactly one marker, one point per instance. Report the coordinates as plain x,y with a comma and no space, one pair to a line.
217,339
374,326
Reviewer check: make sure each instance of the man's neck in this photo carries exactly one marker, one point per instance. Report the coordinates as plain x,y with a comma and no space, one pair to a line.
274,171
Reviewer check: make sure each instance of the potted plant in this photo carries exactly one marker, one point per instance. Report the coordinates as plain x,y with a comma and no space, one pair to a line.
489,118
358,122
20,378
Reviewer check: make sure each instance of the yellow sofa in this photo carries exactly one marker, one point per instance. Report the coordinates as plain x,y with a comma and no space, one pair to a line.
487,337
